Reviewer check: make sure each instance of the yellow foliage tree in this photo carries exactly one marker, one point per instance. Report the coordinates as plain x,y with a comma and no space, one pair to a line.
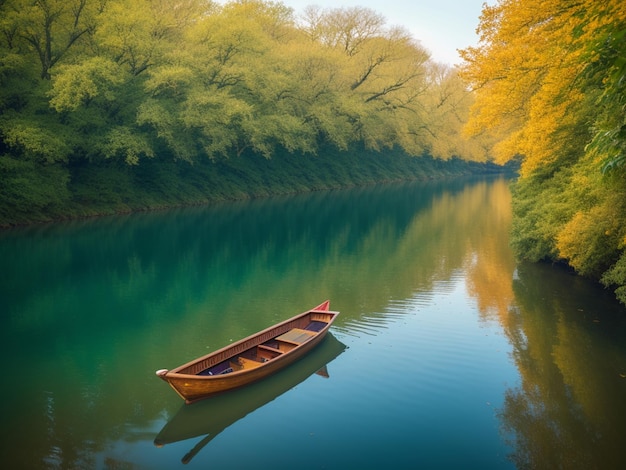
523,73
526,72
550,80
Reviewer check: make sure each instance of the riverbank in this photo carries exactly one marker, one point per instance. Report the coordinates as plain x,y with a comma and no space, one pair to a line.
90,190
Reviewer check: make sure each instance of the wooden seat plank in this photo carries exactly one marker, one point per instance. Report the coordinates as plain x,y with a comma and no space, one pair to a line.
296,336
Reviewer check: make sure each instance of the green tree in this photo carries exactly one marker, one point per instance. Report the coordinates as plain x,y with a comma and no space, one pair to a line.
49,29
91,90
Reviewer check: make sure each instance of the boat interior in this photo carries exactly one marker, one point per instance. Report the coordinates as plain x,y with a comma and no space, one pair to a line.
262,353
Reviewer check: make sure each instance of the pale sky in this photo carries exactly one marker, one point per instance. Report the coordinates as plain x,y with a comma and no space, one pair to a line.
441,26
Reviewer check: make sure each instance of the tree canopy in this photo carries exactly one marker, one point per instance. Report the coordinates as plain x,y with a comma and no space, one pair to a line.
200,79
87,83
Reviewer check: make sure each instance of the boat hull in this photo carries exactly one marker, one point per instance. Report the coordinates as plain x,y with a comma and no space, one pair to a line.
193,381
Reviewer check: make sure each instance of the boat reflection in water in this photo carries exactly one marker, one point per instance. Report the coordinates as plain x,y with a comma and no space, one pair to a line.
212,416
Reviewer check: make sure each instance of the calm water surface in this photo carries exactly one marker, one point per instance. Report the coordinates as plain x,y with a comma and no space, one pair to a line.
447,353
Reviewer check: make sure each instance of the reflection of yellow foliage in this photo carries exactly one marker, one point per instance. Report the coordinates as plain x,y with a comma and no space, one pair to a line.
587,369
490,262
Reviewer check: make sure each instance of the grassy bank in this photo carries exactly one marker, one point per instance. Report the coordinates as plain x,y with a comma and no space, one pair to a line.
48,193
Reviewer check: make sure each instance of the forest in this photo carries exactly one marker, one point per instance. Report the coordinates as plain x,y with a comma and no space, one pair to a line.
111,106
549,81
119,105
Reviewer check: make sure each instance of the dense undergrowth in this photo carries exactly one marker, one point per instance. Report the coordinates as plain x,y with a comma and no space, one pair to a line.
57,192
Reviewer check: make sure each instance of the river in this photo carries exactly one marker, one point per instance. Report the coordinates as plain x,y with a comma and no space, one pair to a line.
447,353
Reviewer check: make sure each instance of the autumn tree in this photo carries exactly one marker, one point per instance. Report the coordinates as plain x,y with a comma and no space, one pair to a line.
549,86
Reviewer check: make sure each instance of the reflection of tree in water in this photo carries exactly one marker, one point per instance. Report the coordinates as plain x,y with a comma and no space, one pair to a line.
489,260
568,338
110,292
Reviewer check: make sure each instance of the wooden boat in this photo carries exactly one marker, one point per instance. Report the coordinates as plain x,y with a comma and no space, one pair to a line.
251,358
208,418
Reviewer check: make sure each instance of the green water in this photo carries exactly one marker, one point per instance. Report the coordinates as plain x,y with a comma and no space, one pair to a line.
447,353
